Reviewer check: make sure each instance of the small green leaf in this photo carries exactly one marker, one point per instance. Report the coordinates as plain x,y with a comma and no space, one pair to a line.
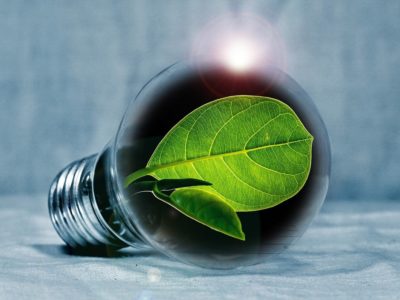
171,184
204,207
207,208
142,186
164,184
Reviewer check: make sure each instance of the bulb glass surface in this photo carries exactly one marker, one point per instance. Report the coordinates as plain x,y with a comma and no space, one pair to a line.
162,103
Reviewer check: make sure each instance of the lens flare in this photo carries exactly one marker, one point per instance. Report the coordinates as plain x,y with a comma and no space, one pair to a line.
239,55
241,42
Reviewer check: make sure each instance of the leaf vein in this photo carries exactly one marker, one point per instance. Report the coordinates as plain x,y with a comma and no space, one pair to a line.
246,183
154,168
272,170
229,120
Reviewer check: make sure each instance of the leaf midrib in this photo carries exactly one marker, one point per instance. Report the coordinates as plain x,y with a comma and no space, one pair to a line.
150,170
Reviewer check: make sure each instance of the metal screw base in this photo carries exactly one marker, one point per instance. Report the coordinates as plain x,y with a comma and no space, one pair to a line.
74,211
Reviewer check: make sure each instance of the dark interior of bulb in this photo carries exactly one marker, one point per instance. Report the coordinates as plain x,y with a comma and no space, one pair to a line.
267,231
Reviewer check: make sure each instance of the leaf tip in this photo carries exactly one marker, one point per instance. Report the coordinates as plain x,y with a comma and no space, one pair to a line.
195,182
238,233
241,236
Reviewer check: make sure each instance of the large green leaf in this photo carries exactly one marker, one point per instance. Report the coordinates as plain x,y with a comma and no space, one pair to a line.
254,150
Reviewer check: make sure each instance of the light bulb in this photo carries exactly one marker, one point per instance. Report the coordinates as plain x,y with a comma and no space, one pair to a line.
90,206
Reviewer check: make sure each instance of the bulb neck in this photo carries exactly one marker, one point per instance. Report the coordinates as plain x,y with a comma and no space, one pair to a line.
74,211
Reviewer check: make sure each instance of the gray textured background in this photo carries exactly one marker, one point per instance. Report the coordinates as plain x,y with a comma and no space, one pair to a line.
69,68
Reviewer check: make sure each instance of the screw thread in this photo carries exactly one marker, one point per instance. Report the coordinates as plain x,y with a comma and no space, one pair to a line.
74,211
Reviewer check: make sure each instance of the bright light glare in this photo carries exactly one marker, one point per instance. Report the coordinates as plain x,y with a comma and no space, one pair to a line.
240,55
241,42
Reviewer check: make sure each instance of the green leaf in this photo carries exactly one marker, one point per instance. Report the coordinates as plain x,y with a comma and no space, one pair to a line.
171,184
165,184
254,150
206,208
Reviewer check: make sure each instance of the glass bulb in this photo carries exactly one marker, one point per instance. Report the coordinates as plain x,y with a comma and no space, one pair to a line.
89,205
